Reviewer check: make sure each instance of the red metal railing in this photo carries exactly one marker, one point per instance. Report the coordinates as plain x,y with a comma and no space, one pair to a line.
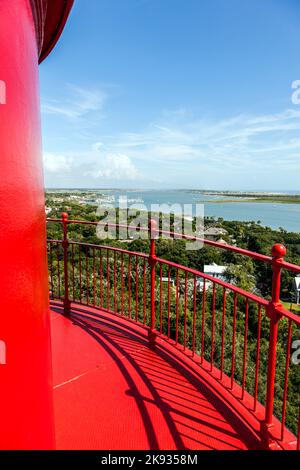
239,338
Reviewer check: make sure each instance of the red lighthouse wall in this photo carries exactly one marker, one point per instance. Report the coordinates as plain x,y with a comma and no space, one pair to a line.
26,415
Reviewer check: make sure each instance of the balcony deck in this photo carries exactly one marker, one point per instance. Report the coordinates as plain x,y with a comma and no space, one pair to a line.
112,391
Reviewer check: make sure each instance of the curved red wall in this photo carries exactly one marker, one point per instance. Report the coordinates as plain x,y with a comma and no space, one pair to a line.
26,415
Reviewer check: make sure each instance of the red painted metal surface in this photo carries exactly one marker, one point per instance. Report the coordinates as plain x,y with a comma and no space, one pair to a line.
25,379
112,391
278,253
26,406
50,17
188,320
152,265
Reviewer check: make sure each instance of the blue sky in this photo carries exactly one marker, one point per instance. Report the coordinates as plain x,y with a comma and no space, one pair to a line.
174,94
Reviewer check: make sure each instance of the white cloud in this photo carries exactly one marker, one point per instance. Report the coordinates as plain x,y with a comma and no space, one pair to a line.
239,140
115,167
54,163
77,103
181,150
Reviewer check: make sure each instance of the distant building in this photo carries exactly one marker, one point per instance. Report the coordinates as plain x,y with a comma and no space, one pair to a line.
222,241
166,279
297,289
215,233
213,270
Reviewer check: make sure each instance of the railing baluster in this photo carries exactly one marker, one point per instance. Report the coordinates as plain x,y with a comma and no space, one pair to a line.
58,271
177,304
51,269
129,286
115,282
185,309
298,433
80,274
160,301
63,259
169,303
245,348
145,293
101,278
257,359
107,279
286,378
73,273
122,284
194,316
87,276
65,246
278,252
152,265
223,332
94,277
136,289
118,287
213,314
233,340
203,320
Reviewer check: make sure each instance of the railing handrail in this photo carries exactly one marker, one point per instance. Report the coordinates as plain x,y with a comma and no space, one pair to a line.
288,315
215,280
104,247
260,300
273,308
178,236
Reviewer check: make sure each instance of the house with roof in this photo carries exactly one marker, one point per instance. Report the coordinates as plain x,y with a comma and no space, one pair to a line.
297,289
215,233
213,270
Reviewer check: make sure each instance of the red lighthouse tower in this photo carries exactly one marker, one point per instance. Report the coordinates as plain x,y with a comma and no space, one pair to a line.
147,353
29,30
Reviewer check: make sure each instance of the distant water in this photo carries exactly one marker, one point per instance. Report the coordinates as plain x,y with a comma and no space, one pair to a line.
272,215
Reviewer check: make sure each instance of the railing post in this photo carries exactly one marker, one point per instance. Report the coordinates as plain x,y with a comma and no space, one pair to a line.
65,245
152,263
278,252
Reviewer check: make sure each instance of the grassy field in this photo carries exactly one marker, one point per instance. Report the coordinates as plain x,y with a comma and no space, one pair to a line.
282,199
292,307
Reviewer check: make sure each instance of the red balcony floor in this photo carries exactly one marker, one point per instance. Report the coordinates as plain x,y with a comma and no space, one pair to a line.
112,391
